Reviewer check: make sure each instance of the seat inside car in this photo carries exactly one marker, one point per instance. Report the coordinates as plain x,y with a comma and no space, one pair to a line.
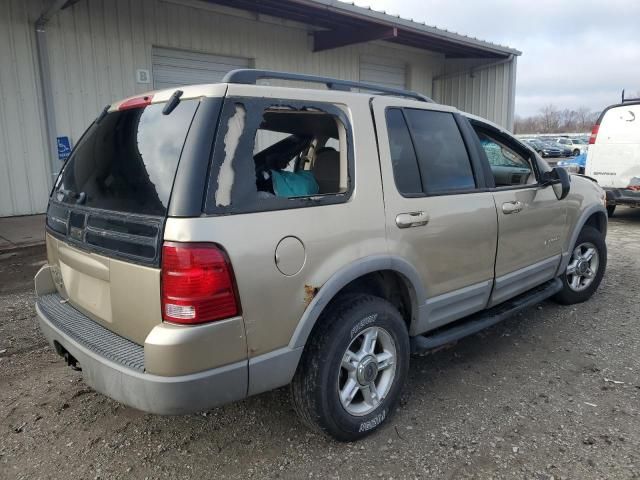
326,169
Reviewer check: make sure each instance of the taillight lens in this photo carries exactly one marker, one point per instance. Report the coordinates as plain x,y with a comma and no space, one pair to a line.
197,284
594,134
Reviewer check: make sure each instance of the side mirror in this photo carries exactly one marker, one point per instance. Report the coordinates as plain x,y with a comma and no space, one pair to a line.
559,179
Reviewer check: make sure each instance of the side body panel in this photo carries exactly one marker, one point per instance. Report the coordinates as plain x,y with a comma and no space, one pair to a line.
530,240
332,236
454,251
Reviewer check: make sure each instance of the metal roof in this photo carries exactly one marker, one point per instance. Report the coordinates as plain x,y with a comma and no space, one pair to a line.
350,20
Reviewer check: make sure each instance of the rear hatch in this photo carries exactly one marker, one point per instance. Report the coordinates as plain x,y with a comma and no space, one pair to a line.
614,159
107,212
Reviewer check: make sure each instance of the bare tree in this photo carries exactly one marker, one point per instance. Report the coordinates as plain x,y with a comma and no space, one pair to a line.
553,120
550,118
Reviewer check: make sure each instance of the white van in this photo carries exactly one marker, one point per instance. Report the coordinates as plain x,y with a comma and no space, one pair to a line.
613,158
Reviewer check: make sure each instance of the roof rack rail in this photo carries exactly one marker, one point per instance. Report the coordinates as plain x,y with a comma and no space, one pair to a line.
251,77
624,100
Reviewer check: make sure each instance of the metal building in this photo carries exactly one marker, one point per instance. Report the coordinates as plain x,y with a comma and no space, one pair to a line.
62,61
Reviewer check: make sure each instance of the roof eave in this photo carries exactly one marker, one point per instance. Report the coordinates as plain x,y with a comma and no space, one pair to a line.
409,25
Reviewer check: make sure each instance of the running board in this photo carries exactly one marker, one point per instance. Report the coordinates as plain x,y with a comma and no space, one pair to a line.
481,320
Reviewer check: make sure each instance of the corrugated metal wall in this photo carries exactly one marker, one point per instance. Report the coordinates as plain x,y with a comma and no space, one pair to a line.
24,166
474,87
96,46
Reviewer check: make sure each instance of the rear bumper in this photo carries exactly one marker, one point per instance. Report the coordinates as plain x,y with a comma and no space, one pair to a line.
617,196
127,382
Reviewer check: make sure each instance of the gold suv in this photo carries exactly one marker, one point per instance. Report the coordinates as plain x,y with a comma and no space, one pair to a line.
217,241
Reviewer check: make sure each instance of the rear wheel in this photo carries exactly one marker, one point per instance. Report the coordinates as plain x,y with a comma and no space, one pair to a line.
585,269
576,152
353,368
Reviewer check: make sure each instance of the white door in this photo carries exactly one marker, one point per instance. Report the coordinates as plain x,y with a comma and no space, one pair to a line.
173,68
383,71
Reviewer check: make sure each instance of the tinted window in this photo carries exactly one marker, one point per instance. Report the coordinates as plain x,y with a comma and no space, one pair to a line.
128,161
403,155
442,156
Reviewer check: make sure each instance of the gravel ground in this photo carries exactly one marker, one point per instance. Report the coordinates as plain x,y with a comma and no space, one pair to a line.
551,393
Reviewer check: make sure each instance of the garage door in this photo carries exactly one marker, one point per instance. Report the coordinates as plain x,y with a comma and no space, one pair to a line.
172,68
383,71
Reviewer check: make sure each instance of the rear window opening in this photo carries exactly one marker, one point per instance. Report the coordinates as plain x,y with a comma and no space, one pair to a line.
127,162
275,156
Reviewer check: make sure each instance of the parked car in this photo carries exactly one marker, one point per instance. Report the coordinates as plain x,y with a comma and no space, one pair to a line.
217,241
576,145
614,153
544,149
575,164
565,151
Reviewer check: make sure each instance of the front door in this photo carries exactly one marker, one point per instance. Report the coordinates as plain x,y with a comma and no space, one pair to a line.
530,217
439,217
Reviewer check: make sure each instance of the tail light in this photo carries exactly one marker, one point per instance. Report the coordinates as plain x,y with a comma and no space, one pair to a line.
594,134
197,284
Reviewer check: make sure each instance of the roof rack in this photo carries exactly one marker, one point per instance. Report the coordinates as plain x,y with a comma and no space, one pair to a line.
251,77
625,100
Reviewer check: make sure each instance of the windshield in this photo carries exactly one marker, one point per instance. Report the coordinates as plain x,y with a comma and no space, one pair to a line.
127,161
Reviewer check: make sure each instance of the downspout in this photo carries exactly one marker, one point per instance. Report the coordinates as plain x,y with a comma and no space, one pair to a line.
45,80
512,94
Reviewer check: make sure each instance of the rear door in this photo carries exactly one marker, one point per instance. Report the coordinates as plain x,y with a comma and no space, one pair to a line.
530,217
614,159
439,215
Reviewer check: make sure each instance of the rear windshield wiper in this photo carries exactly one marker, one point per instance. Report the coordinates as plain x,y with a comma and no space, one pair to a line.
172,103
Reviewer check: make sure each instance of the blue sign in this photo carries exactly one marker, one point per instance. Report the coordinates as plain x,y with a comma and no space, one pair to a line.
64,148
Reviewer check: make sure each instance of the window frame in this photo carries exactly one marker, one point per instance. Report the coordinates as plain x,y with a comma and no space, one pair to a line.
253,105
512,143
471,146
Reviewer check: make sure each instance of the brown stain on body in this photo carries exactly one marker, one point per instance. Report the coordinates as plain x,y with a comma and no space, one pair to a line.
309,292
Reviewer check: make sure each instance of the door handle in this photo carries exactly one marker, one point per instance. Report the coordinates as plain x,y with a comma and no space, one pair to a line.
512,207
412,219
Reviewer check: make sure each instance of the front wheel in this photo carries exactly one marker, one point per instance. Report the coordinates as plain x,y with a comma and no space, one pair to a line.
610,210
353,368
585,269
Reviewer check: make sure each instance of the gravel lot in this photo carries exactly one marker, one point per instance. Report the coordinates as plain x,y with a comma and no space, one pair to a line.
551,393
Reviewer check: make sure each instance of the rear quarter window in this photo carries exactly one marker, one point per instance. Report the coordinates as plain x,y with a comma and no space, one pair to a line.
276,154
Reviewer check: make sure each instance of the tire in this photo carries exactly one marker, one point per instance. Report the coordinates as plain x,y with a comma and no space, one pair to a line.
321,376
580,291
610,210
576,152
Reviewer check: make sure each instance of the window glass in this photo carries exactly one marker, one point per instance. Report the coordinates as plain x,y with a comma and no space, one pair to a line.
508,166
403,155
267,157
128,161
443,160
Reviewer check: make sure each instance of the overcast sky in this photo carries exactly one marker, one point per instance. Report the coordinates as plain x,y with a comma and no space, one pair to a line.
574,52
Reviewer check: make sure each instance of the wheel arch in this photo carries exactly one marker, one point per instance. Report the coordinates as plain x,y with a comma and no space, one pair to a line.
594,216
392,278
